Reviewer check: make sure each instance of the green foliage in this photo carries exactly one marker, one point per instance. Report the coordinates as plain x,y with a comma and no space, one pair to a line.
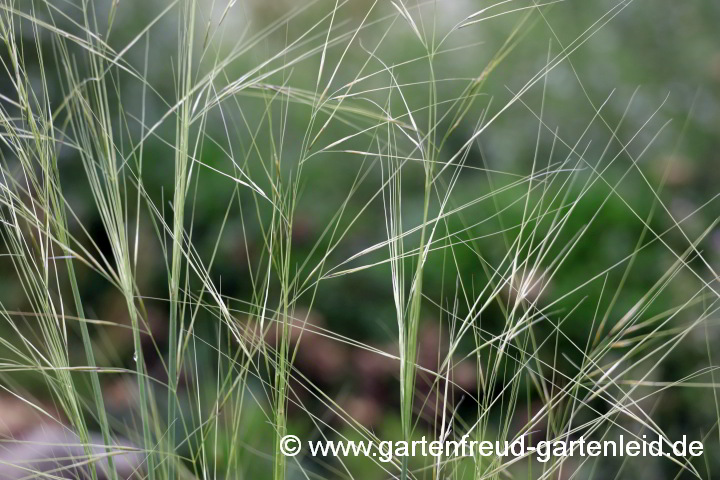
223,222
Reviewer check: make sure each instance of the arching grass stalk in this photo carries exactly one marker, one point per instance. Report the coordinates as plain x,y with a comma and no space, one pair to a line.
40,149
185,51
280,248
88,115
426,146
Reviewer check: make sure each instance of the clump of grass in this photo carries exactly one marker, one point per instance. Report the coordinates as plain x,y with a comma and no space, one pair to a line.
318,99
